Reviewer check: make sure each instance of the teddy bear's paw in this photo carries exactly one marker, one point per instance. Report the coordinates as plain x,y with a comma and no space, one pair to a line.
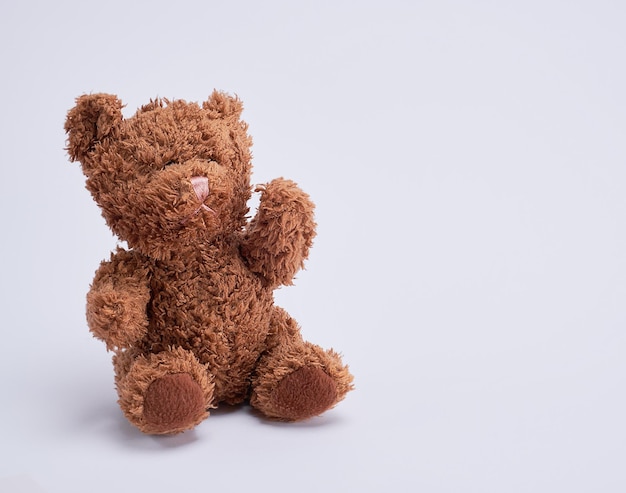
164,393
173,403
118,319
305,393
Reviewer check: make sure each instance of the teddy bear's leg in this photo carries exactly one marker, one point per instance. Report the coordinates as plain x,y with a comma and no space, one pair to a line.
163,393
295,379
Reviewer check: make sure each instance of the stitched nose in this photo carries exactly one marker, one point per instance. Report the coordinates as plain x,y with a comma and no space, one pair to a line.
200,185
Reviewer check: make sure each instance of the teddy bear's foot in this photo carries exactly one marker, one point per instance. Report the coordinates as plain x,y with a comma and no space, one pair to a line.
298,382
172,403
305,393
163,393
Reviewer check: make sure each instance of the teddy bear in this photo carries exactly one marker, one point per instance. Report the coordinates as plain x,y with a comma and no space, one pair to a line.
187,308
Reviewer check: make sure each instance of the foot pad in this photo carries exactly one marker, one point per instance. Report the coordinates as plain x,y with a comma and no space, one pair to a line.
172,404
305,393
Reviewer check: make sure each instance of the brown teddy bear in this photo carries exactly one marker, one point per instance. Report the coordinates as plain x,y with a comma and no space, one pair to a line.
188,309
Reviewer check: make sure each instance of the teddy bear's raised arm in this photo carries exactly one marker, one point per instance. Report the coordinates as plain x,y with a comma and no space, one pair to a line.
278,239
118,298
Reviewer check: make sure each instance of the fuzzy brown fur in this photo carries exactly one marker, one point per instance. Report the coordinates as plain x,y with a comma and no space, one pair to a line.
188,309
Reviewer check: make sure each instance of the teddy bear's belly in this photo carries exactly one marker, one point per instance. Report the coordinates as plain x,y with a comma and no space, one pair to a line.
221,315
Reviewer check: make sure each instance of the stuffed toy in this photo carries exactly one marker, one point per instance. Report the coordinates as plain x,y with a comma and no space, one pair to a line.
188,308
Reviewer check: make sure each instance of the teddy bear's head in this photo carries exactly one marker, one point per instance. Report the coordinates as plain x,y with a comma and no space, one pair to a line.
172,175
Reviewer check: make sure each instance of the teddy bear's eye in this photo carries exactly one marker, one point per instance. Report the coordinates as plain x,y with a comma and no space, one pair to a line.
169,163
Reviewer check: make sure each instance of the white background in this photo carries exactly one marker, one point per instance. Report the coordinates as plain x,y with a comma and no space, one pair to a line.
468,160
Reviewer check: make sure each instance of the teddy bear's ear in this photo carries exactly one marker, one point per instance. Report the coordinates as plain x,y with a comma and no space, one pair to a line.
93,118
222,105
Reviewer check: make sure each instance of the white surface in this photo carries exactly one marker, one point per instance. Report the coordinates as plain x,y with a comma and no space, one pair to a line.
468,160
